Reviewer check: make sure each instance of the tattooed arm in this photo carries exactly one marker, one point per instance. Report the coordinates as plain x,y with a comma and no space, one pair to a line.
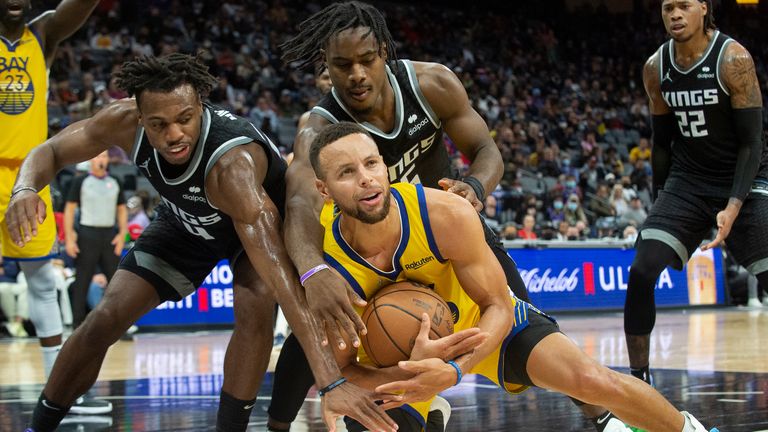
737,72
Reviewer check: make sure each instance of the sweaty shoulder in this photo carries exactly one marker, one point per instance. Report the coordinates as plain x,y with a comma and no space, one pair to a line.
448,209
651,72
440,86
115,123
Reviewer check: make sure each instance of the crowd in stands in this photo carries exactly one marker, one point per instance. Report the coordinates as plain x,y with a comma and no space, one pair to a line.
561,91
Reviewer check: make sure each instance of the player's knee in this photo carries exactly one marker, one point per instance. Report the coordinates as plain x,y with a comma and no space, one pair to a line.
593,383
102,327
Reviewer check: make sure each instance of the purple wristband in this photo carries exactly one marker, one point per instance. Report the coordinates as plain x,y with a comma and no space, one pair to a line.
311,272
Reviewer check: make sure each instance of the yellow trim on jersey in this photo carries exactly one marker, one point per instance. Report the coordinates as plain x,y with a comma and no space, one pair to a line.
417,259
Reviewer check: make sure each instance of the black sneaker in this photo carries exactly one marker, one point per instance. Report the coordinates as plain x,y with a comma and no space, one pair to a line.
88,405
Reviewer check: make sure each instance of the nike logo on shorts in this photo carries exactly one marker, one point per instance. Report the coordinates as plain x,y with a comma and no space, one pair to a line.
606,417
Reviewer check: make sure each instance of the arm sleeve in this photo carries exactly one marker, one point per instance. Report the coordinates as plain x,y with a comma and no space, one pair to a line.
661,155
748,123
120,191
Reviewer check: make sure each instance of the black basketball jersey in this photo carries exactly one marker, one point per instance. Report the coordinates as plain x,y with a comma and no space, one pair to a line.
185,196
705,147
413,150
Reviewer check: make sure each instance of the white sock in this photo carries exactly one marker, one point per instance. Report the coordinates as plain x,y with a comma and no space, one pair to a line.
49,357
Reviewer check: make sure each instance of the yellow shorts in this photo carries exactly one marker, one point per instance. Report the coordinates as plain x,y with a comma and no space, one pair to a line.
43,244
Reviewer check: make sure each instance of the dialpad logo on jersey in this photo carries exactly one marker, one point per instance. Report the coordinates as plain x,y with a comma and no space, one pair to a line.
194,224
401,171
418,126
17,92
705,74
194,198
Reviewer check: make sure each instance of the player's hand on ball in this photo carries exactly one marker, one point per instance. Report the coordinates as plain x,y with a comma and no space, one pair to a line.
26,211
330,299
431,377
358,403
463,190
448,347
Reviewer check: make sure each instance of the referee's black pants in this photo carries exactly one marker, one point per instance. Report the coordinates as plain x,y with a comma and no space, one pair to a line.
96,252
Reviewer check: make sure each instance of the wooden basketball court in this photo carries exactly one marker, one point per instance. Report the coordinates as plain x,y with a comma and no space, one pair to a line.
711,362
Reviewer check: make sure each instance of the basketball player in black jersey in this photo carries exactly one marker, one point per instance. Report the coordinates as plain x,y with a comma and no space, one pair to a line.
709,163
405,106
222,185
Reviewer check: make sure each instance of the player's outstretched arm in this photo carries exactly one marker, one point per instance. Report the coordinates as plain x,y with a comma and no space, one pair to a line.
459,237
738,75
59,24
329,296
234,186
81,141
663,125
449,100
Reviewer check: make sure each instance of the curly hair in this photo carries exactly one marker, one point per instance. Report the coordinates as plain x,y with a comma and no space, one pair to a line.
316,31
163,74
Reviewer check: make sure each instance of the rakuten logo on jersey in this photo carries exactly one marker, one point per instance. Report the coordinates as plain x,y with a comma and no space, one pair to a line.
548,281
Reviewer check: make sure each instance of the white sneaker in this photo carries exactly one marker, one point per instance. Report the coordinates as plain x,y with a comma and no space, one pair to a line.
87,405
753,302
616,425
443,407
693,425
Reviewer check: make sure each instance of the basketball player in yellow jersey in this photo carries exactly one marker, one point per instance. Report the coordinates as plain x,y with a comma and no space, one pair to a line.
27,49
384,234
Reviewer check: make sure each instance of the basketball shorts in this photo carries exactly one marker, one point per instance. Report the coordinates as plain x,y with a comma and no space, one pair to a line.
682,220
505,367
175,262
41,246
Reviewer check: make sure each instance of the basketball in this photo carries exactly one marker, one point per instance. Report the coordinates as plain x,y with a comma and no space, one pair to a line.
393,319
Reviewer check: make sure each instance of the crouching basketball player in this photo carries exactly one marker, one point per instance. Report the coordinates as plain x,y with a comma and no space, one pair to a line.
376,229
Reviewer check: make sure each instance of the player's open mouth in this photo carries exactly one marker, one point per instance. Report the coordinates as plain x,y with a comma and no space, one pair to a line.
677,28
179,151
15,9
372,199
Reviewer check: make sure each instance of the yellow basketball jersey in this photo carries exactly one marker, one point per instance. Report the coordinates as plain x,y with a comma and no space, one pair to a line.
23,97
418,259
23,125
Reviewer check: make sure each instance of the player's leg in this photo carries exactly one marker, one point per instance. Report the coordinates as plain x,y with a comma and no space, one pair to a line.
748,240
675,227
534,328
89,241
556,363
292,380
127,298
249,348
44,309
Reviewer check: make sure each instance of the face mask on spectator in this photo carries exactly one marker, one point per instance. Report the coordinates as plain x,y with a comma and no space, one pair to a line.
570,184
572,206
558,205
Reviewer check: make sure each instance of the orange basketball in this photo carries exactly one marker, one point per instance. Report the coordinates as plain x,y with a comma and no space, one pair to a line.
393,319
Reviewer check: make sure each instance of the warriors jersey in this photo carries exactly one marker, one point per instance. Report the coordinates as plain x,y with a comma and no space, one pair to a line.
414,149
185,196
23,96
23,125
418,259
705,147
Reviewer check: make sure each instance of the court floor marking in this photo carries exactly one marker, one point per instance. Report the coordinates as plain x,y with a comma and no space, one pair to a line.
704,393
732,400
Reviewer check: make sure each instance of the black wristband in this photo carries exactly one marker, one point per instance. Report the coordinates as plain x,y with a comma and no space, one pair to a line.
331,386
476,186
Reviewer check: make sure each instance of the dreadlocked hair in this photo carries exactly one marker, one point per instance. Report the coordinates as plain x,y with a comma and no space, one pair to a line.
164,74
317,30
709,18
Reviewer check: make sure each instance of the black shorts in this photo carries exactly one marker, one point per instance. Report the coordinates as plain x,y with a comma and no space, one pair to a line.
519,348
682,220
172,260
